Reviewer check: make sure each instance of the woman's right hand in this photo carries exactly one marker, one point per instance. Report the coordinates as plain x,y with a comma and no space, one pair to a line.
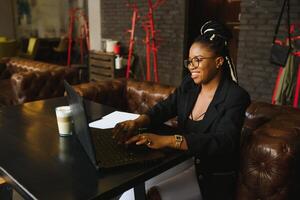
125,130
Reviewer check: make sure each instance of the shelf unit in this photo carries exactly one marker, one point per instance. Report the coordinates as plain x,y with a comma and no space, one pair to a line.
101,65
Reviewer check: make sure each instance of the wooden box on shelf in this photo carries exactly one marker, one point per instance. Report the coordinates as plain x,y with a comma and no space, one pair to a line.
101,65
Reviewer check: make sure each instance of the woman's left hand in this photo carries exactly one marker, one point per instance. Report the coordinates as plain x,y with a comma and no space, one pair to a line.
152,141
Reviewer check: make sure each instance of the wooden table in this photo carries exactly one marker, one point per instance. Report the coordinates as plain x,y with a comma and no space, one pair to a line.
41,165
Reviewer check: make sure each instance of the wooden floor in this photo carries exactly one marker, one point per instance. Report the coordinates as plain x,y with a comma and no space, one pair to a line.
15,195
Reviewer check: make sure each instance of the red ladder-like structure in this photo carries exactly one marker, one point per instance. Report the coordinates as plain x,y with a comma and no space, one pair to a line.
131,40
77,14
150,39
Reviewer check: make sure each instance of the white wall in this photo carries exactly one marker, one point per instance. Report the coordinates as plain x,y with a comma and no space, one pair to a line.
94,15
48,19
7,17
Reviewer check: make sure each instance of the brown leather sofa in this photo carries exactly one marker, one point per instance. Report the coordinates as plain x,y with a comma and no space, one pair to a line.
26,80
270,142
131,96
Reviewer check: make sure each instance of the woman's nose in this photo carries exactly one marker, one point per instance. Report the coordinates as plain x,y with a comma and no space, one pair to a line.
192,67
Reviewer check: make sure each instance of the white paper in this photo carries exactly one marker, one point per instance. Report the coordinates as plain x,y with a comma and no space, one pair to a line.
110,120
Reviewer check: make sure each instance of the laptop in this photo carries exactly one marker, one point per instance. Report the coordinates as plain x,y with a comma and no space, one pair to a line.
102,150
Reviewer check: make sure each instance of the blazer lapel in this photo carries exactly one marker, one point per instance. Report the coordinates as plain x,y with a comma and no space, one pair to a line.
212,112
190,101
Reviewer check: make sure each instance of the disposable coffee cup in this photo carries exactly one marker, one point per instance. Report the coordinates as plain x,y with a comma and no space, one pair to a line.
64,120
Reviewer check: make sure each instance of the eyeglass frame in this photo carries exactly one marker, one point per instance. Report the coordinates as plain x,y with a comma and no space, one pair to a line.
187,62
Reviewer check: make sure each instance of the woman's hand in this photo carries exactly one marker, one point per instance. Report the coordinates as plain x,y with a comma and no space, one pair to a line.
153,141
125,130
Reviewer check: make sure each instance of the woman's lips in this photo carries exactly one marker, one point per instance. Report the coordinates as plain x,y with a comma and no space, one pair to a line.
195,74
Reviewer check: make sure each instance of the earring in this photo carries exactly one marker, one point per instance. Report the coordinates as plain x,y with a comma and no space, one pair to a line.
220,64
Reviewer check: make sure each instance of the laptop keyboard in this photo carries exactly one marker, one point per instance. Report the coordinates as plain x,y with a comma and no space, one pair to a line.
109,153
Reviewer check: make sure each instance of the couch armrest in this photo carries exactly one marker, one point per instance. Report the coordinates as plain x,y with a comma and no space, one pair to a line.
30,86
109,92
269,166
270,153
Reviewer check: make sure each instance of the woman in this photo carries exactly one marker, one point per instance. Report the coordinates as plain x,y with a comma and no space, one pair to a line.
210,108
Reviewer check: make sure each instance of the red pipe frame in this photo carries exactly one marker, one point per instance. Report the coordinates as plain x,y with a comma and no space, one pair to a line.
84,32
151,44
131,41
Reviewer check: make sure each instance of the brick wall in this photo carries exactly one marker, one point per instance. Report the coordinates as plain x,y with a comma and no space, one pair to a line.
169,18
258,21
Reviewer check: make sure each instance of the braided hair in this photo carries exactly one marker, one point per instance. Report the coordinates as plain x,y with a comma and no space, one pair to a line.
216,37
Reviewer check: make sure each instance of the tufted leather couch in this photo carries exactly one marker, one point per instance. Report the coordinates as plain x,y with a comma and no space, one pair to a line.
131,96
270,153
27,80
270,138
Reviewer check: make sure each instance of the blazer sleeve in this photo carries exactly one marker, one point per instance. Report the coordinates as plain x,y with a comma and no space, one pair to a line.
167,109
224,138
164,110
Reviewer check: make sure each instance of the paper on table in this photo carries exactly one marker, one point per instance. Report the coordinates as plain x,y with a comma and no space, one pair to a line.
110,120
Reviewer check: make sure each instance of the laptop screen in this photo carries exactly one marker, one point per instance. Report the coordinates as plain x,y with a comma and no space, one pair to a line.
80,121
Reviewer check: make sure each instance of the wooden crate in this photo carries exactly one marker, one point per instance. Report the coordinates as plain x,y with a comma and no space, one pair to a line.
101,65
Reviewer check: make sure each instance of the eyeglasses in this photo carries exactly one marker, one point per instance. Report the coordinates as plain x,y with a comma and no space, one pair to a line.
195,61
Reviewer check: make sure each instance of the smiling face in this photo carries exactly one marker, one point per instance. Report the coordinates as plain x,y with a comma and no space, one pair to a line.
209,64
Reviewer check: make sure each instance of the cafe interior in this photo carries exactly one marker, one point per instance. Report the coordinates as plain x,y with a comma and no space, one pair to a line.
129,55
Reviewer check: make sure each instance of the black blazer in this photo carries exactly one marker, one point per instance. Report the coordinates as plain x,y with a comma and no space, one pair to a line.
217,146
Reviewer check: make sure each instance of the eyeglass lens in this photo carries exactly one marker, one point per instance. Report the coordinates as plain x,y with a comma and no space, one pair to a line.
194,62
